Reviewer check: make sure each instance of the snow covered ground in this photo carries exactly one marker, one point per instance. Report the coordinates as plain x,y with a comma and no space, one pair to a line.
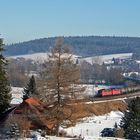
92,126
38,57
16,95
85,138
42,57
91,90
106,58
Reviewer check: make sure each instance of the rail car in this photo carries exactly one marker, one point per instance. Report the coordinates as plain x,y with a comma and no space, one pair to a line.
117,91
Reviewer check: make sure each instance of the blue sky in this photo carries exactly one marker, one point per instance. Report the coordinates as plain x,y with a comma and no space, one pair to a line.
22,20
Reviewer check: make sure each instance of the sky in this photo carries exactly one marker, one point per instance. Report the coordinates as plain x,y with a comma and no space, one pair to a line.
22,20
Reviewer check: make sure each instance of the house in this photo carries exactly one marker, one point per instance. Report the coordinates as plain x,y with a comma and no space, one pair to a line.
34,112
29,115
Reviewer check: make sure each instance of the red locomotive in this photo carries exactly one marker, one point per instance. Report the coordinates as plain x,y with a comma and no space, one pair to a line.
108,92
114,91
117,91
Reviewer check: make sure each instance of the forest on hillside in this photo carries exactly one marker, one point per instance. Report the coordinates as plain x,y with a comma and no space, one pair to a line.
80,45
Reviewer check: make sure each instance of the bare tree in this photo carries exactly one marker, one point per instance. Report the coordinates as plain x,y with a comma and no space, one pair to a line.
61,78
16,73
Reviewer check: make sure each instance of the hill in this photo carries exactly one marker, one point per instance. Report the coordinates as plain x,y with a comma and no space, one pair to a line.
84,45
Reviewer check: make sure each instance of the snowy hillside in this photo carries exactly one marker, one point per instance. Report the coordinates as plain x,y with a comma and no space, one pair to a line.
42,57
37,57
106,58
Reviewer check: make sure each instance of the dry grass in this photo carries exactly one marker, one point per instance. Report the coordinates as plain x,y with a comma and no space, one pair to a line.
81,110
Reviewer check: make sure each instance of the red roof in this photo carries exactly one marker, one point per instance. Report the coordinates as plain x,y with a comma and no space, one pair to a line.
37,103
32,101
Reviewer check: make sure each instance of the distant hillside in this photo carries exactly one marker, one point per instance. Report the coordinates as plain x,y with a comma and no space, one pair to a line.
85,46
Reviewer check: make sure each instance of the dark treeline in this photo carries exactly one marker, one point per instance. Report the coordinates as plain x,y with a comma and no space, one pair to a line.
84,45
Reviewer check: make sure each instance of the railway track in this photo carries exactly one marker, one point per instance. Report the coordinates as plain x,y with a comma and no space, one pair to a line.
125,96
122,96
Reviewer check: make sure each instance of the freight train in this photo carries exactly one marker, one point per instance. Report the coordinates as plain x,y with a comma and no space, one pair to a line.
117,91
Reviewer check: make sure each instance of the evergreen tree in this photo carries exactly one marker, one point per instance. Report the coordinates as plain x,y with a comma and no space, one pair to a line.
30,89
5,97
131,120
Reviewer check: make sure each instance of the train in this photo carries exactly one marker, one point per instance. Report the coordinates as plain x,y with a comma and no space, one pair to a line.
117,91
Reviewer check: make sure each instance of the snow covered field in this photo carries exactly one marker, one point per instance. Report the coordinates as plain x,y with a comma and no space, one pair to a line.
91,90
92,126
38,57
42,57
16,95
85,138
106,58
